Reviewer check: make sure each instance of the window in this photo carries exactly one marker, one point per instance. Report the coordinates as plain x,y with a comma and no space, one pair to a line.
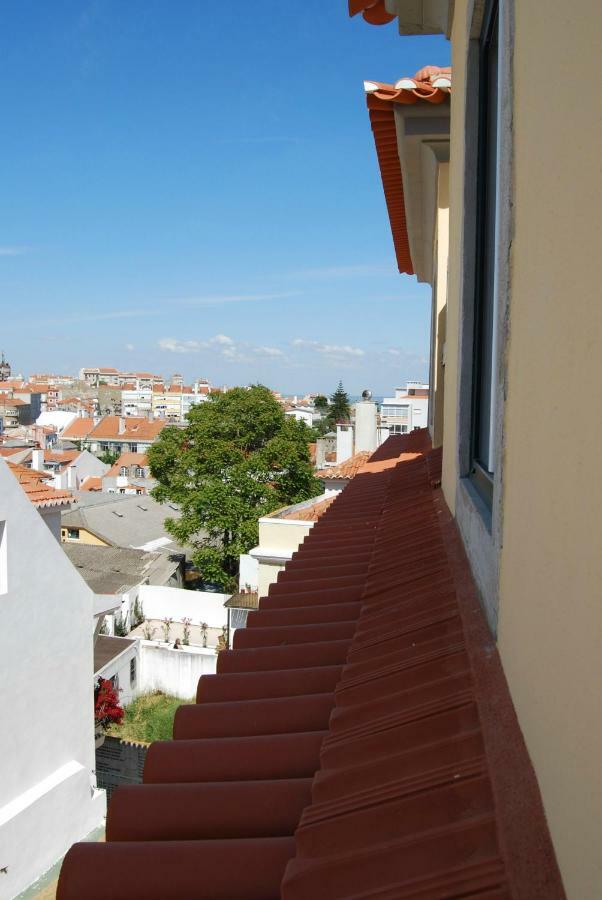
400,412
139,472
485,331
123,470
133,672
73,534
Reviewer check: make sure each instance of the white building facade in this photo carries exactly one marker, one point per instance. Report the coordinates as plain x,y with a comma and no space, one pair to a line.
48,795
407,410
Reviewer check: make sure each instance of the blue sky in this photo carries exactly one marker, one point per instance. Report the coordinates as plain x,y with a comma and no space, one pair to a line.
192,186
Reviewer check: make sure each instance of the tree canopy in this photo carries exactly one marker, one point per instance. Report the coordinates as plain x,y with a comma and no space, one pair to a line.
339,410
238,458
321,402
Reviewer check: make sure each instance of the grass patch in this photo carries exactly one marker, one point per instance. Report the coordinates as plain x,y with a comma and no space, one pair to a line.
148,718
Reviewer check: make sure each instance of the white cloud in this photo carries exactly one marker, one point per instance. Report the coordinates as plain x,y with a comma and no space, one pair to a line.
334,350
222,339
268,351
225,346
129,347
173,345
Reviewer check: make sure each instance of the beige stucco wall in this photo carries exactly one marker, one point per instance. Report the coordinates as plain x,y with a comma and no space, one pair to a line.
456,212
550,617
85,537
282,534
440,302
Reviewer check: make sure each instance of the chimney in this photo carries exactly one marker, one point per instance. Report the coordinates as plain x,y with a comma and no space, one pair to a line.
366,436
37,460
121,425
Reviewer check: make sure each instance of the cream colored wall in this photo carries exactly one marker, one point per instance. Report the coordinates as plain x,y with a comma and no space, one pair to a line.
459,39
267,573
85,537
550,616
440,301
282,534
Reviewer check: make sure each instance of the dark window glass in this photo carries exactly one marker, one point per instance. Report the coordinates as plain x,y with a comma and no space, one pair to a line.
487,174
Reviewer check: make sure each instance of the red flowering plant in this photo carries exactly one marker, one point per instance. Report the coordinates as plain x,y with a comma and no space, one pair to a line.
107,710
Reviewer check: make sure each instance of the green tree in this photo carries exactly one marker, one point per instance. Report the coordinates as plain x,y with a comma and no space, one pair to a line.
109,457
321,403
238,458
339,406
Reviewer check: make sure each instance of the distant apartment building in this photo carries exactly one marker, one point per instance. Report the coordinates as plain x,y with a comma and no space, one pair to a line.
113,377
137,401
174,401
407,410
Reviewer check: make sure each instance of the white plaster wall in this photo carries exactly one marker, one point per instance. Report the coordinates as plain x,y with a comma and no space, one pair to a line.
200,606
46,698
248,572
175,672
120,666
344,443
365,426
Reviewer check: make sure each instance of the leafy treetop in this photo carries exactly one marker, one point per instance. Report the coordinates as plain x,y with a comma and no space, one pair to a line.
238,459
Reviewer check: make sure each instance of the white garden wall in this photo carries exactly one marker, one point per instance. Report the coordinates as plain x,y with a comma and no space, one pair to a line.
177,603
175,672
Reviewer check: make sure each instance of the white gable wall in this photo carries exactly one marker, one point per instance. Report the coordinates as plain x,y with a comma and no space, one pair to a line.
47,800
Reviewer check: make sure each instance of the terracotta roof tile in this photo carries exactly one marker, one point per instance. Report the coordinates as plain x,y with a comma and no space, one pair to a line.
381,99
79,428
347,469
373,11
134,428
92,483
128,459
311,513
358,741
38,491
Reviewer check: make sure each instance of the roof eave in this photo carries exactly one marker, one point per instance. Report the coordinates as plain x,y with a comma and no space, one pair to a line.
422,16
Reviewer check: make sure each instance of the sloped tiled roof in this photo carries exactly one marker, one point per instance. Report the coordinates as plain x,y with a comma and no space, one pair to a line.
347,469
79,428
359,741
40,493
92,483
381,99
310,513
134,428
128,459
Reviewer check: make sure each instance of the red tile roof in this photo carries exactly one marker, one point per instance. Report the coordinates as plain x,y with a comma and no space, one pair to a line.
347,469
373,11
134,428
128,459
381,99
359,741
80,427
92,483
41,494
309,513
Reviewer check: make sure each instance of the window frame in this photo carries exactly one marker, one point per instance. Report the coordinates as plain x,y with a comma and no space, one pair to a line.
485,297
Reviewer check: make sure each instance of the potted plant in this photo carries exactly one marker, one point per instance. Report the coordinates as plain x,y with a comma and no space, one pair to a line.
107,710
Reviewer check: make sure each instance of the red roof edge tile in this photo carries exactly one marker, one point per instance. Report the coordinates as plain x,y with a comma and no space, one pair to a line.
359,740
373,11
